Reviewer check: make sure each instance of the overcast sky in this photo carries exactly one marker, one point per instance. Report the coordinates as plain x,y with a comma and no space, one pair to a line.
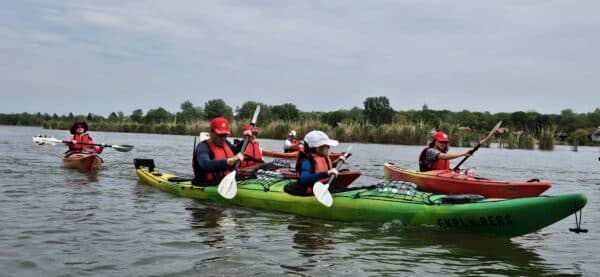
103,56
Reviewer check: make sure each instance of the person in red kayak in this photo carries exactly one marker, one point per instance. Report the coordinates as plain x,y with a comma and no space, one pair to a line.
292,144
80,140
436,156
215,157
253,153
314,164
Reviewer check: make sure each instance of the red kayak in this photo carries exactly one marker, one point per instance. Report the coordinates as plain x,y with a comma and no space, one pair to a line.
344,178
82,161
450,182
294,155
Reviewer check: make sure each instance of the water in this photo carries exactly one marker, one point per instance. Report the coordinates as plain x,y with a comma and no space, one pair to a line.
58,221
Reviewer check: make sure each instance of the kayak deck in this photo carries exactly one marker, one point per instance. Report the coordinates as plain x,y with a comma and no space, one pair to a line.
450,182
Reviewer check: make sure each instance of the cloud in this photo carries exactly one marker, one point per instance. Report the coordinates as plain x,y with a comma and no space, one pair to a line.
320,55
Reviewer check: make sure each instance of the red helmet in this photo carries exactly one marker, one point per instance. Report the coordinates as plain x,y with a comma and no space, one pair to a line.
440,136
247,127
220,126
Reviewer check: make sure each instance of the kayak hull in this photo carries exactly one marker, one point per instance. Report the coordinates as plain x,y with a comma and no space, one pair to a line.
450,182
82,161
498,217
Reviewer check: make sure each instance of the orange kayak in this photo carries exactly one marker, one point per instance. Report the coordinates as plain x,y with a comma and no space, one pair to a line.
294,155
82,161
451,182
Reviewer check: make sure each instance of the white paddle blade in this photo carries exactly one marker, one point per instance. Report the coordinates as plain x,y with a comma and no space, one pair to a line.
122,148
228,187
45,140
321,192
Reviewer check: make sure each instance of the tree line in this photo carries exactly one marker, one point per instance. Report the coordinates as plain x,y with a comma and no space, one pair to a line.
376,111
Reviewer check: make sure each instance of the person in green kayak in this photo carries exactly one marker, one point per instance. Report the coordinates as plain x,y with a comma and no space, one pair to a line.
81,140
436,157
313,163
215,157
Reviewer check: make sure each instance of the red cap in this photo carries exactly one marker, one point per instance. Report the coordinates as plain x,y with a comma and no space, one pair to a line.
220,126
440,136
247,127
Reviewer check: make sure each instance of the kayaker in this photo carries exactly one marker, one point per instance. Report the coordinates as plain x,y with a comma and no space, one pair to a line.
80,138
436,157
292,144
253,153
314,164
215,157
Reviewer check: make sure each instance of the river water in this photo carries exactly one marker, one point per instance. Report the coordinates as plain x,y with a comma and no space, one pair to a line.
61,222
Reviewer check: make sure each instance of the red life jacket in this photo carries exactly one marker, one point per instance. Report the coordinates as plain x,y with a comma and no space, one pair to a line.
319,163
439,164
83,138
253,154
216,153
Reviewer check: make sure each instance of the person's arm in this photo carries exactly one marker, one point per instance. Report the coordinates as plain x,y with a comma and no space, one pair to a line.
97,149
450,156
306,177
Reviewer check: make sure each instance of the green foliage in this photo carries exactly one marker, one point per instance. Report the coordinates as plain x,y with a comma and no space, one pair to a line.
546,139
378,110
579,137
286,111
189,113
216,108
159,115
137,115
525,141
246,111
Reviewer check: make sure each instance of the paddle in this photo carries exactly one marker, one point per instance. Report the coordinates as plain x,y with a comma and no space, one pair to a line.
46,140
228,186
321,191
490,134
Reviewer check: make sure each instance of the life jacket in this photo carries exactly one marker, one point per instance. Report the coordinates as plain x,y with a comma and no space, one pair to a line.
439,164
319,164
253,154
216,153
81,146
296,146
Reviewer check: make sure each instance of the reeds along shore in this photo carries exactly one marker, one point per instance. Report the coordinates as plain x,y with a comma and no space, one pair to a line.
404,134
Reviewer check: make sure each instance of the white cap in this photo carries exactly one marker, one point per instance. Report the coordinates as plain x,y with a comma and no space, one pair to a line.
318,138
292,133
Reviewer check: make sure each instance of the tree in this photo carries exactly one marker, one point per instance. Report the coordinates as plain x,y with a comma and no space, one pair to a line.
157,116
217,107
113,117
287,111
189,112
378,110
137,115
246,111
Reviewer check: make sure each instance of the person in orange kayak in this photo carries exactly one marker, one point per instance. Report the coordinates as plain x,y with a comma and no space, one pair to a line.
314,164
215,157
253,153
436,157
292,144
80,140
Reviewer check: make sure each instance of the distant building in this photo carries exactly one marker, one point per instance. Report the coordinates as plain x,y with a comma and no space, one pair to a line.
596,135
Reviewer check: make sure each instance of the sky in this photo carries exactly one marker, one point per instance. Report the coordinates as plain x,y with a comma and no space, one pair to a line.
108,56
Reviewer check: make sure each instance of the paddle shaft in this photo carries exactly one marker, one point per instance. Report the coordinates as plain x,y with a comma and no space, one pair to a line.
84,143
244,145
338,166
457,167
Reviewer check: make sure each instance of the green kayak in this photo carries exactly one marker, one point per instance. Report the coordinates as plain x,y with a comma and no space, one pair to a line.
500,217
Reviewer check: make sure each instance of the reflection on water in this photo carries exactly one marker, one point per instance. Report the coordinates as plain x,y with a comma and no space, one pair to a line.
58,222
